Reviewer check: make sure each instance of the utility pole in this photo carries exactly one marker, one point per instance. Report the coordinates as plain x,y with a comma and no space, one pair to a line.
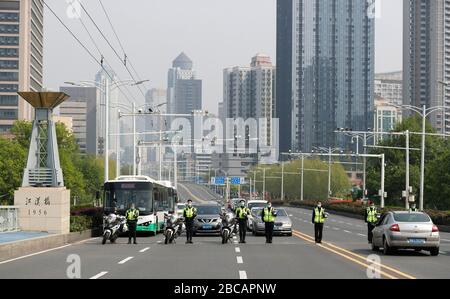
329,173
106,142
407,171
282,180
134,137
302,177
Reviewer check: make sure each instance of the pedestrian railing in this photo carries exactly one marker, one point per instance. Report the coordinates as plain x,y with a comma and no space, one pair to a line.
9,219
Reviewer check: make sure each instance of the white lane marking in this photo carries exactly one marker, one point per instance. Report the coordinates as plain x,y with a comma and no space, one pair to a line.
336,228
348,232
349,224
239,260
144,250
237,249
33,254
125,260
242,275
159,242
442,252
235,242
234,237
326,226
99,275
361,235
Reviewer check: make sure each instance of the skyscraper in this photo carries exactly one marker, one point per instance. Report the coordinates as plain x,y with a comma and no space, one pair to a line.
325,71
426,55
184,91
249,92
21,57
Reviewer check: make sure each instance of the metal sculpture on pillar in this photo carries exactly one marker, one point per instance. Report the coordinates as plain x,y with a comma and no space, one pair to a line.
43,200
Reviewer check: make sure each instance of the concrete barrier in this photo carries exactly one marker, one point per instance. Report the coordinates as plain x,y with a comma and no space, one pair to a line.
16,249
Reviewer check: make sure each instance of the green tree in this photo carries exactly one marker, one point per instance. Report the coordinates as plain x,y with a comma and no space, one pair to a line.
315,180
436,148
12,164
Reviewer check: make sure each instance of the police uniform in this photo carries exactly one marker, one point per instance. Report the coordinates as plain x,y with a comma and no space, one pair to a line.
318,218
132,218
242,215
371,220
189,214
268,217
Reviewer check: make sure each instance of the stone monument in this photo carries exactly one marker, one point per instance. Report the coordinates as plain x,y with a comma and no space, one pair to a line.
43,201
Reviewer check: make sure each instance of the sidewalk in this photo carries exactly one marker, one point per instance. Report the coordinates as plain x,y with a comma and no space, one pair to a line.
16,244
19,236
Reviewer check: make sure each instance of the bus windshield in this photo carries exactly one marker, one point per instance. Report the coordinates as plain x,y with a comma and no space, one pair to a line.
120,195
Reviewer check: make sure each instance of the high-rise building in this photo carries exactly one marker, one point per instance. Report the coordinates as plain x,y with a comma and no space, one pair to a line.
426,55
82,107
184,91
389,86
325,71
249,92
21,57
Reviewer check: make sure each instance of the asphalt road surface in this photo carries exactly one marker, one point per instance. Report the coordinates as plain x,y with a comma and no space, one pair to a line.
344,254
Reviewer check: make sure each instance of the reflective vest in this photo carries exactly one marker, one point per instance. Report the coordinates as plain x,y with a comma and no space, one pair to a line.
319,215
242,212
268,215
190,211
132,214
372,215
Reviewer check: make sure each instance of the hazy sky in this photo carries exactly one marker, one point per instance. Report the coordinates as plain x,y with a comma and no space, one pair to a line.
214,33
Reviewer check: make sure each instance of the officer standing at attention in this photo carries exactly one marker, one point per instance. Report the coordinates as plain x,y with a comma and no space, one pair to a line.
371,220
318,219
189,215
132,216
242,214
413,208
268,215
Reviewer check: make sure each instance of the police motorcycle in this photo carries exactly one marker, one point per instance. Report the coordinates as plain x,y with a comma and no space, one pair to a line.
113,226
229,227
174,227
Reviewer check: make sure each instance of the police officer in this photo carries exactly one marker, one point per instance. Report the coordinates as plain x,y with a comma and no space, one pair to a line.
413,208
189,215
132,215
318,219
268,215
242,214
371,220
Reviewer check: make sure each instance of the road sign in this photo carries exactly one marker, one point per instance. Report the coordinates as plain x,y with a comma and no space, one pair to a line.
237,181
218,180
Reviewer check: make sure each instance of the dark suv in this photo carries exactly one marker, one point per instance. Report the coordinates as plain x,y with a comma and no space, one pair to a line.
208,220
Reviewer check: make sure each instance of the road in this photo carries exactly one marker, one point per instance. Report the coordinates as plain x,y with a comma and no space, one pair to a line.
343,255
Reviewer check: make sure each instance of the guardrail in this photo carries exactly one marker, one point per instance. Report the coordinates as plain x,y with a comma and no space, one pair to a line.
9,219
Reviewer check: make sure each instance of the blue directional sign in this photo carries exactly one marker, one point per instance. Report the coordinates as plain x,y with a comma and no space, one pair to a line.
219,181
235,181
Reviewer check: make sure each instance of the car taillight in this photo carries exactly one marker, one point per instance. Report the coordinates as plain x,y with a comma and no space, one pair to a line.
394,228
435,229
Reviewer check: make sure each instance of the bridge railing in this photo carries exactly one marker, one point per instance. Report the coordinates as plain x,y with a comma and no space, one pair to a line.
9,219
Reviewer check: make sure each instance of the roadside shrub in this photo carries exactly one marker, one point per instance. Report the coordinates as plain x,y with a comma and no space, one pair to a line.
80,223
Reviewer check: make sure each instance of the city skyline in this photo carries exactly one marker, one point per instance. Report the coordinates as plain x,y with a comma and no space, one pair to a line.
205,38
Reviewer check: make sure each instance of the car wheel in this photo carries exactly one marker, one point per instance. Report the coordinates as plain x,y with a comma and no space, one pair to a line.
387,250
434,251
